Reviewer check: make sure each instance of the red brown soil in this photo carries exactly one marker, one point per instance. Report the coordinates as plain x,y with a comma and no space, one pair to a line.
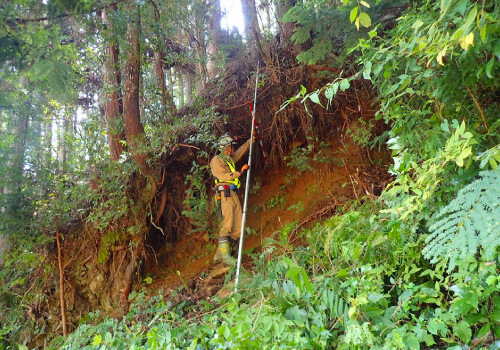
315,194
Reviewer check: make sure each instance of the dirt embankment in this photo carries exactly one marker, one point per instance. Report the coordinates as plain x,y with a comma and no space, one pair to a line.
335,172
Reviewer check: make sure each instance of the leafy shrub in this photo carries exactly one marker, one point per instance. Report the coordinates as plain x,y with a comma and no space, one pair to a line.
299,159
197,200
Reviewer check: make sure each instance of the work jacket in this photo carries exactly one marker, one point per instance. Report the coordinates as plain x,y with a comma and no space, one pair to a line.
223,166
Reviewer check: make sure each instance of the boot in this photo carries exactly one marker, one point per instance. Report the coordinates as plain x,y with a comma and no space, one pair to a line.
223,254
234,245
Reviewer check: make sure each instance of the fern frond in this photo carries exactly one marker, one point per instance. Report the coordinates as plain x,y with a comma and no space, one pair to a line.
469,222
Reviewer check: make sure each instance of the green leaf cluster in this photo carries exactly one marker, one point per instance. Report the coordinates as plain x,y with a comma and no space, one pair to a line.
468,223
321,29
197,201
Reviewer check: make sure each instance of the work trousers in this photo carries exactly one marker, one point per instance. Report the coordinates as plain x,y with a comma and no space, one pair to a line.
231,216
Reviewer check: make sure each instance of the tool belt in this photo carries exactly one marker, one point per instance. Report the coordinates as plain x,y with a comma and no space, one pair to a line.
226,189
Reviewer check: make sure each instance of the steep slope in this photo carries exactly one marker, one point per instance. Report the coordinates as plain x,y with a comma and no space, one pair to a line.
322,180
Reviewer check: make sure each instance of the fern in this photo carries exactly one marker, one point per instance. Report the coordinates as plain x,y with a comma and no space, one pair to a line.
470,221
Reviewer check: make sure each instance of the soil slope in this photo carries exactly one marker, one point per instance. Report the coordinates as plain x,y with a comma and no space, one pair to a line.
335,172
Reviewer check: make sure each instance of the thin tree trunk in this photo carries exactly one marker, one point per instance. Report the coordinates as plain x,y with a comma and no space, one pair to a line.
46,154
268,17
189,88
200,49
61,282
247,19
214,30
166,99
134,130
180,83
112,105
62,144
4,245
20,143
252,29
286,28
200,74
19,158
171,82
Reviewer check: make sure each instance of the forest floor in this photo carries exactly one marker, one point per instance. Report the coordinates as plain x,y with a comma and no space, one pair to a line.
338,172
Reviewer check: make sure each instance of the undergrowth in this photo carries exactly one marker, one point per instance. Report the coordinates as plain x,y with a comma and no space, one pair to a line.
360,282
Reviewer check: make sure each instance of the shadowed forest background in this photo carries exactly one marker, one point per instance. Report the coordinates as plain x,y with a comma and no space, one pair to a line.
374,218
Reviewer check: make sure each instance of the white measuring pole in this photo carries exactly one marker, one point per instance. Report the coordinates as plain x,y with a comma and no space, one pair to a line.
247,185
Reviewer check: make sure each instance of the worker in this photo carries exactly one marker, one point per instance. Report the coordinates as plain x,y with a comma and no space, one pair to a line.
227,184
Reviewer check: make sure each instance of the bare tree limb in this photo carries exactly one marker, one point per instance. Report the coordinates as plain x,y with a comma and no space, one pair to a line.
61,281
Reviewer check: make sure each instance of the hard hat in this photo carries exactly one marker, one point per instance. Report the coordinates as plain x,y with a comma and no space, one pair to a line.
225,141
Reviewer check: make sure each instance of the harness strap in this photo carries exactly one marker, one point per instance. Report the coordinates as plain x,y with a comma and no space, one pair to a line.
232,167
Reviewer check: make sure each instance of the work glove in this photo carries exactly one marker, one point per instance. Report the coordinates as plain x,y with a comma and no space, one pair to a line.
243,168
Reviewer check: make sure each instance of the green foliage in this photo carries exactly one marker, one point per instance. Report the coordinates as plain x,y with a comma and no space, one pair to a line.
419,183
278,201
16,300
437,66
111,201
427,75
298,207
361,133
467,223
491,157
197,201
299,159
327,43
107,242
358,284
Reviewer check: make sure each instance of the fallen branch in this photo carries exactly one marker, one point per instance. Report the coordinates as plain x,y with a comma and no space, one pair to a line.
318,214
361,183
61,282
478,108
189,146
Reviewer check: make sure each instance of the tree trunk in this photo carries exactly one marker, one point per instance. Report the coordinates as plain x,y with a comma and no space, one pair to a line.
268,17
46,153
252,30
134,130
166,99
5,245
171,82
180,83
200,49
214,31
19,149
62,146
286,28
247,19
189,88
112,105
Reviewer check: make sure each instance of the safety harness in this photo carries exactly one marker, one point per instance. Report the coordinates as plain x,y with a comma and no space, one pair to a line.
236,182
222,187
